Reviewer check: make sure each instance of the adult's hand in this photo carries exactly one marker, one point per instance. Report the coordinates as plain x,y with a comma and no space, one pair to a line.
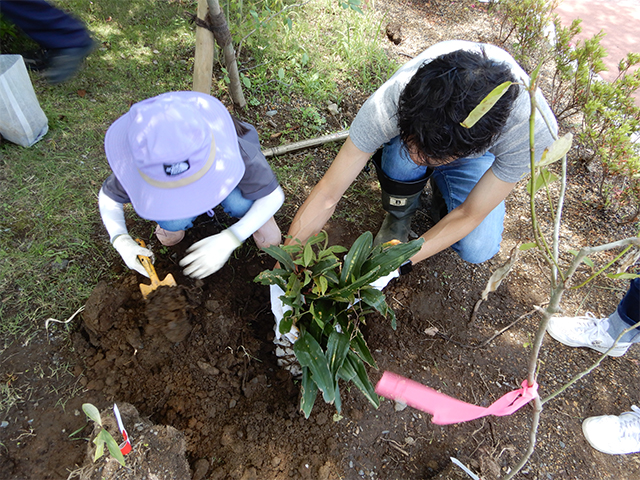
209,254
129,251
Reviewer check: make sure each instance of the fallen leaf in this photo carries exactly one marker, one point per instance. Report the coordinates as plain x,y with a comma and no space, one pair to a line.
82,93
431,331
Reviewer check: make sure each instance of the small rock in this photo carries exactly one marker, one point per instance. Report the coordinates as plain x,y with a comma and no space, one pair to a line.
201,467
400,406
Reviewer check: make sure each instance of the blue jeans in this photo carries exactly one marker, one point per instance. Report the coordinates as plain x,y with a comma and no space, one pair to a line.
455,180
234,205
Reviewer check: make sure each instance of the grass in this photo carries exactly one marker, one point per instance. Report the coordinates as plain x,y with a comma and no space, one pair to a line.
53,247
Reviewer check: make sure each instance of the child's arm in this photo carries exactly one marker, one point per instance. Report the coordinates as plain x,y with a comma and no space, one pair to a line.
210,254
112,214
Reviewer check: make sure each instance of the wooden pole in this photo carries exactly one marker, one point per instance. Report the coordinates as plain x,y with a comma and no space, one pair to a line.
312,142
203,60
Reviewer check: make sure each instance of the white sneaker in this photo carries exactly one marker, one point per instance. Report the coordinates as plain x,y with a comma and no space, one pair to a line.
614,435
587,331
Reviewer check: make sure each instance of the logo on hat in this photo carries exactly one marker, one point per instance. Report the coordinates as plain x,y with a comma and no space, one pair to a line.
176,168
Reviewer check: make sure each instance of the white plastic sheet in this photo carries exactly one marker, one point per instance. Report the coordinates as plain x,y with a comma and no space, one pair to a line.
22,121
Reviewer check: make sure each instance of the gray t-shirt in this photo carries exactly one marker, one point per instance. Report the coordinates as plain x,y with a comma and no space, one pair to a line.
257,182
376,124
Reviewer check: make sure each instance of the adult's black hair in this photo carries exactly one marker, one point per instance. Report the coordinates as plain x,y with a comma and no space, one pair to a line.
441,95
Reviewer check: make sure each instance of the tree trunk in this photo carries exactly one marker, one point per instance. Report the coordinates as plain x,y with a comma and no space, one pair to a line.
223,37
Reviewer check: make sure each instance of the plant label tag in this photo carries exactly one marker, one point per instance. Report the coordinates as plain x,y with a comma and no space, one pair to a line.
125,447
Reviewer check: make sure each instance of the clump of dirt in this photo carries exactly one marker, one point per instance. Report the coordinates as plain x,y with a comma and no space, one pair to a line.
158,453
167,311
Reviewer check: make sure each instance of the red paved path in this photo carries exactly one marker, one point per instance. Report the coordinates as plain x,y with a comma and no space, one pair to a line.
619,19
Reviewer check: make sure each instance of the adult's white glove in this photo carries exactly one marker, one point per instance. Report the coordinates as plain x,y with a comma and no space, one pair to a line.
129,251
209,254
384,281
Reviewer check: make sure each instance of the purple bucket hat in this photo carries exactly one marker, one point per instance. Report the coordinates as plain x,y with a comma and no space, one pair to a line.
176,155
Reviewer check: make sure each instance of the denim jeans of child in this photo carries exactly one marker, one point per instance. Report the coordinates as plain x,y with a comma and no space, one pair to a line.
234,205
455,180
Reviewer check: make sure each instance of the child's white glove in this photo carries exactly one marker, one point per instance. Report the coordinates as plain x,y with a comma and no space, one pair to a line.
129,251
209,254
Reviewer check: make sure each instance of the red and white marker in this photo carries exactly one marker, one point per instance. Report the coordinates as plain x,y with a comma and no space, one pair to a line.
125,447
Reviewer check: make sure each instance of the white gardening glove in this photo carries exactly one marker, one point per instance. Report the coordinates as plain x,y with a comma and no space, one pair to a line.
209,254
384,281
129,251
284,342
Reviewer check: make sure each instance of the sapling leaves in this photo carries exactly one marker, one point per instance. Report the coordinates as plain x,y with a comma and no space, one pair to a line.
337,350
92,412
309,353
361,379
540,179
280,256
103,437
329,298
309,392
356,257
556,151
375,298
486,104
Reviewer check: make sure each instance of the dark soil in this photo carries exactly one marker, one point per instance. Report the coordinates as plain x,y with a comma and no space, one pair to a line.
199,357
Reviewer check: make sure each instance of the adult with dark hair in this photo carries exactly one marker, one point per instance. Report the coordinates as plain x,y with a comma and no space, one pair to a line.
65,40
415,117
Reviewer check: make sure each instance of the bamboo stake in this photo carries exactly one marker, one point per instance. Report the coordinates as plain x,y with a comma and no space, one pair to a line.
312,142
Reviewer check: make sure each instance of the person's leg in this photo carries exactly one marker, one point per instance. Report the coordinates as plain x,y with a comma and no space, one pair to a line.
47,25
627,314
401,182
237,206
600,333
615,435
455,181
171,232
66,39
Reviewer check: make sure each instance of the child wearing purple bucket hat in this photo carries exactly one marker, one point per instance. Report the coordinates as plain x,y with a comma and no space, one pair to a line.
176,156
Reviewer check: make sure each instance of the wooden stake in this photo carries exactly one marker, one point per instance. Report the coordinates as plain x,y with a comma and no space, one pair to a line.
203,61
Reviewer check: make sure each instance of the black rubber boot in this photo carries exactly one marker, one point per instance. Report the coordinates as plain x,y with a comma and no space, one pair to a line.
400,200
397,223
438,207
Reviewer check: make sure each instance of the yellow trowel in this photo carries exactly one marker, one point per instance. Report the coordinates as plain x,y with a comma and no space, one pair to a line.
168,281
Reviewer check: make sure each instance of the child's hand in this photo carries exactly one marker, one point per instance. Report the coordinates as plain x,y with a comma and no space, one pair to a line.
209,254
129,251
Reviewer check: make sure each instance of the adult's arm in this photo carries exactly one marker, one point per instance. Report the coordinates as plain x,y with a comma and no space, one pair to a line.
321,203
457,224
